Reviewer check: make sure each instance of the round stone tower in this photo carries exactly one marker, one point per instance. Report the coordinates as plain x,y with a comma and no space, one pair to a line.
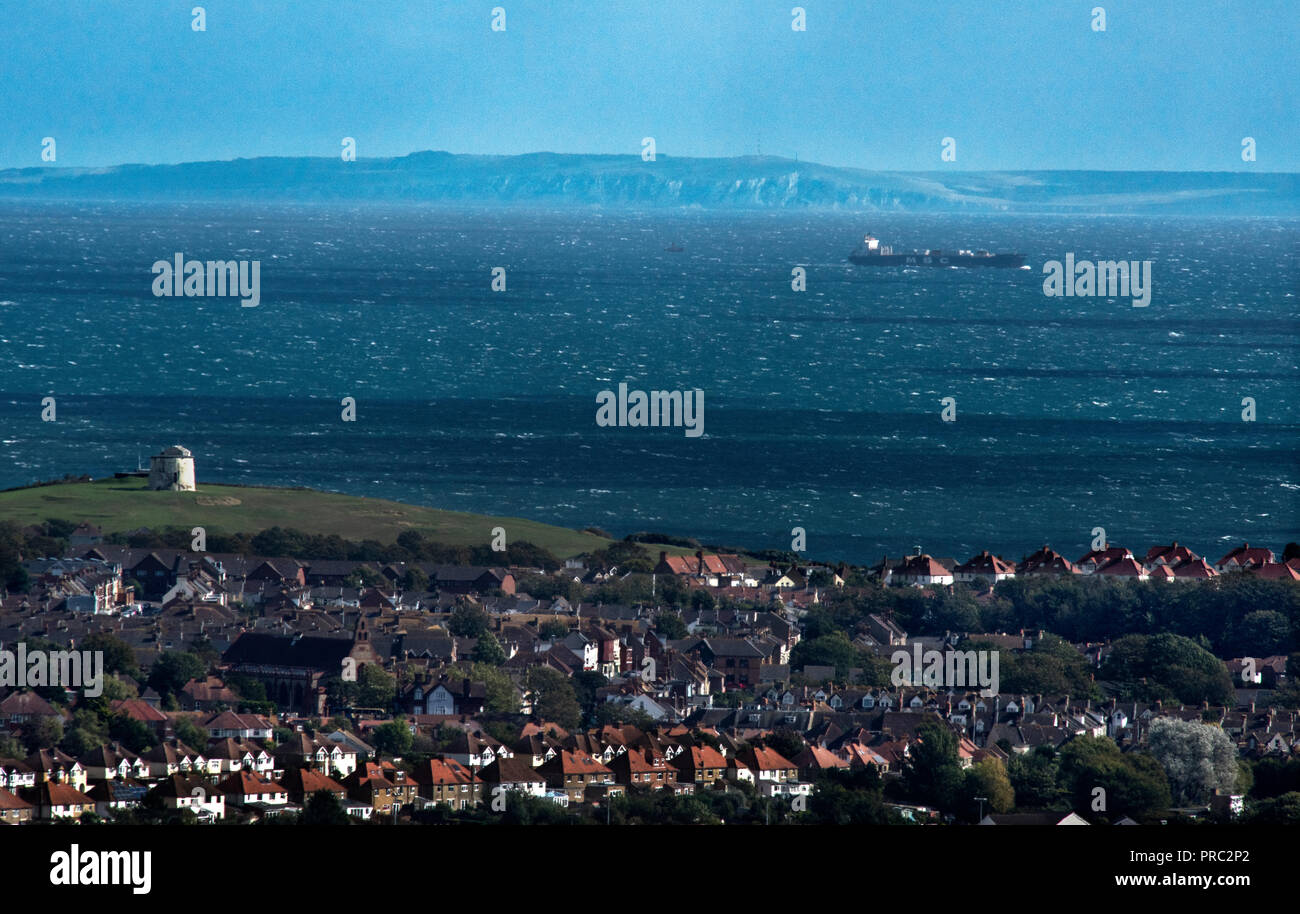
172,469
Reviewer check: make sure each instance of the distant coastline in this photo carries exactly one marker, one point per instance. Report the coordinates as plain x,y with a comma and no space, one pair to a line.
735,183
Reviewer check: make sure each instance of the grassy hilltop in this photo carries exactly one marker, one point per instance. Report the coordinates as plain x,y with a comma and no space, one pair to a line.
120,505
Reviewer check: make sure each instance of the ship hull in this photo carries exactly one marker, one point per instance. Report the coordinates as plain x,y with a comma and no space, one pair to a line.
941,260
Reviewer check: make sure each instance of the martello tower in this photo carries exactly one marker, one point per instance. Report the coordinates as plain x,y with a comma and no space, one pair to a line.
172,469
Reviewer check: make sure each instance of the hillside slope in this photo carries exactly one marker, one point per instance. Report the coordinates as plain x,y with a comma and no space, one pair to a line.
119,505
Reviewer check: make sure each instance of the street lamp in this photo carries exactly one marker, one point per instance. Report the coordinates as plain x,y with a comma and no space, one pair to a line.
982,801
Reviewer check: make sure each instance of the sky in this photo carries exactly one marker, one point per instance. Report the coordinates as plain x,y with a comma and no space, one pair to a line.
871,83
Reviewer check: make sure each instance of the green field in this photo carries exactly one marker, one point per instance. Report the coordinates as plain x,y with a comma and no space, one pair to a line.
120,505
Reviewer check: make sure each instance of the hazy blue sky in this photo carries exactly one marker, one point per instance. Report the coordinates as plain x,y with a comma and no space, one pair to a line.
871,83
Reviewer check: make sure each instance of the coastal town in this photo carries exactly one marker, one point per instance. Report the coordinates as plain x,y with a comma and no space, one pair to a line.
643,682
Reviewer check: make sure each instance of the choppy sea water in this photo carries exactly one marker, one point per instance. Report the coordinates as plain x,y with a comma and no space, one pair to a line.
822,408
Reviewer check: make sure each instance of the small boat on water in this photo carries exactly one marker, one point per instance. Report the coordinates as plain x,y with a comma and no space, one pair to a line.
674,248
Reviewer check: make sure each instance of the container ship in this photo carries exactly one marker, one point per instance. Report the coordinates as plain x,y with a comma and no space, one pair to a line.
872,254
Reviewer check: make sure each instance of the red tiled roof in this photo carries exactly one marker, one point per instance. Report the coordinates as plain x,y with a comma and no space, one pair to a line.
1171,554
139,710
1197,568
1047,561
1275,571
12,801
63,795
1124,568
921,566
442,772
1103,556
313,780
986,563
247,783
821,758
766,759
1245,554
705,757
580,763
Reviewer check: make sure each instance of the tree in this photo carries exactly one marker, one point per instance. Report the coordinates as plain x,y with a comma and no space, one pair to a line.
45,733
987,779
364,576
523,809
246,687
78,741
554,698
1168,666
932,774
1033,778
1053,667
785,742
115,689
702,599
671,626
841,797
1272,776
203,648
502,695
1197,758
130,733
191,734
608,712
118,655
1283,810
375,687
393,738
821,578
324,808
173,669
585,683
414,579
488,650
528,555
469,620
1263,633
1099,779
552,629
835,650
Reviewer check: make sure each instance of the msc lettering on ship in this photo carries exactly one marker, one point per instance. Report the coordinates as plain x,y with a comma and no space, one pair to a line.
638,409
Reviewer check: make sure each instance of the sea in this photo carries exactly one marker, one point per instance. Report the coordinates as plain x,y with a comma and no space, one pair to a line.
823,408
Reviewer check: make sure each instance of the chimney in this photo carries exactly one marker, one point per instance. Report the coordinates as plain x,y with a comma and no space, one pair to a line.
663,556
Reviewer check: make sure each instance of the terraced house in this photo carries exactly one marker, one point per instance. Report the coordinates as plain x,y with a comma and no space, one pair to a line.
574,772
